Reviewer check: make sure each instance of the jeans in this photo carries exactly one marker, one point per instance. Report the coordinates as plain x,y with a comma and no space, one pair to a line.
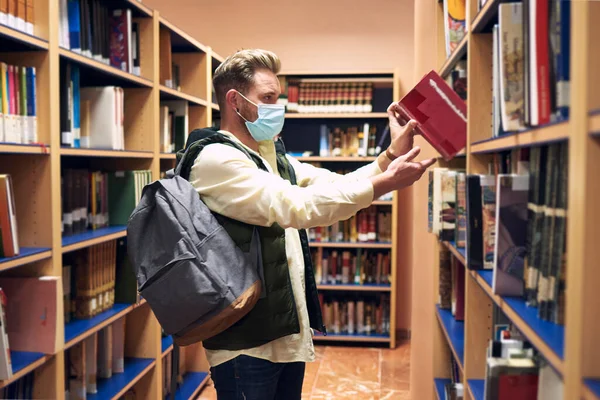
249,378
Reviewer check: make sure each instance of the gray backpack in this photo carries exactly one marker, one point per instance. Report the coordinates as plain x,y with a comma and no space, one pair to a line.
196,280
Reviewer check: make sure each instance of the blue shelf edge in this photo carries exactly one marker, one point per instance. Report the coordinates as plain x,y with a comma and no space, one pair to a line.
22,359
191,383
108,388
594,385
461,250
374,285
552,335
455,331
166,342
354,335
92,234
79,326
477,388
25,252
440,385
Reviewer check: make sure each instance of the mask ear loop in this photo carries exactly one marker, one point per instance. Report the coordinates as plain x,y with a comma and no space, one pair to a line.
237,110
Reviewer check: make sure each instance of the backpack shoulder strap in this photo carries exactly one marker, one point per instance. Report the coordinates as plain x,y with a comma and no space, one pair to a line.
187,157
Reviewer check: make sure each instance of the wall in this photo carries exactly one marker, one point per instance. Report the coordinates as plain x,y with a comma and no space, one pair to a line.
312,35
307,35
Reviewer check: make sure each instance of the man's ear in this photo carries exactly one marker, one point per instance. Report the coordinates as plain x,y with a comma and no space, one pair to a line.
232,98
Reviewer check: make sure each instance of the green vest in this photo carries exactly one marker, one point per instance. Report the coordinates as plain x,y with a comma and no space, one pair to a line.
275,314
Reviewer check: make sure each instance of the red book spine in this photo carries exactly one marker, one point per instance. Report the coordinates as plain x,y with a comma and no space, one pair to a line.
543,60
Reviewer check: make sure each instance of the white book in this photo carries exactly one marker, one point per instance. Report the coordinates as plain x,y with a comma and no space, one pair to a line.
20,24
510,25
3,18
106,114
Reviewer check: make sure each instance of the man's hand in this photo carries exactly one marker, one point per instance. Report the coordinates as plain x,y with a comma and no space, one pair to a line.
401,135
401,173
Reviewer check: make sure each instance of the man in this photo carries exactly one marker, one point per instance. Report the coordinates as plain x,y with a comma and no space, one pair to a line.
263,356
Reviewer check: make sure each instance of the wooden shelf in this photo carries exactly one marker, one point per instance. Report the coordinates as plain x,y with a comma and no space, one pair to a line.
352,338
440,387
335,159
215,106
193,42
117,385
545,336
27,255
456,55
488,12
477,388
168,156
141,7
23,39
349,245
378,115
24,362
356,288
166,345
106,69
338,72
591,389
64,151
382,203
192,383
217,57
460,254
91,238
454,331
10,148
537,136
167,93
80,329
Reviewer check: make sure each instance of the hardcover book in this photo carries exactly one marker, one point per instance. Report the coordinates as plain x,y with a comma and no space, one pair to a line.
440,113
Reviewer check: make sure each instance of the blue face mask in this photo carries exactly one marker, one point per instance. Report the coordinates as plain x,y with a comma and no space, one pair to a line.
269,122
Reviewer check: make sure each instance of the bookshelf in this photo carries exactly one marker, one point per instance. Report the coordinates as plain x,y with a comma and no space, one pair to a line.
570,349
301,135
36,171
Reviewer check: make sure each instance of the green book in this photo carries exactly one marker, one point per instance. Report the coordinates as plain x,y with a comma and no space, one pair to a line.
121,196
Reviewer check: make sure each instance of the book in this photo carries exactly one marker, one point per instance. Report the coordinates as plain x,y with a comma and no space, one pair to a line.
511,234
440,113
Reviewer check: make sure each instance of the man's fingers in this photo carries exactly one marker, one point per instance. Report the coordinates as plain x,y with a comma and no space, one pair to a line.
428,163
412,153
391,111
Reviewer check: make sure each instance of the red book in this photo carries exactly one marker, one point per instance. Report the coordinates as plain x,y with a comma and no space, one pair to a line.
517,387
440,113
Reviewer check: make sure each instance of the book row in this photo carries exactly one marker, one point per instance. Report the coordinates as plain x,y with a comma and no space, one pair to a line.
19,389
352,141
99,356
454,24
174,125
18,111
531,53
95,199
89,277
18,14
356,315
90,117
513,221
344,267
110,36
367,226
329,97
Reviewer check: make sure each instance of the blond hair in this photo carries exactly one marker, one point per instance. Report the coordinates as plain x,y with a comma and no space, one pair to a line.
237,71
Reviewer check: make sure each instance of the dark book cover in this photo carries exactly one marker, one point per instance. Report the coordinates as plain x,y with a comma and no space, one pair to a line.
474,223
547,242
556,304
461,210
488,211
512,194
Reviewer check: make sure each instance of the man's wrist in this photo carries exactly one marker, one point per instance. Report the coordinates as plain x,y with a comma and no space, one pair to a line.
391,154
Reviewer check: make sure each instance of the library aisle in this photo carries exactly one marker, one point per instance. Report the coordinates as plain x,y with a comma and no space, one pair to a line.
353,373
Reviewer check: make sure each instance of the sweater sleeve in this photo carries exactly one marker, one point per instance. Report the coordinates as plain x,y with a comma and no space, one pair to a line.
230,184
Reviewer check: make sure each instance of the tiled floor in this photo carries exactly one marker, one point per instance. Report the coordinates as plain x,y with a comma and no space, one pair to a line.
353,373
